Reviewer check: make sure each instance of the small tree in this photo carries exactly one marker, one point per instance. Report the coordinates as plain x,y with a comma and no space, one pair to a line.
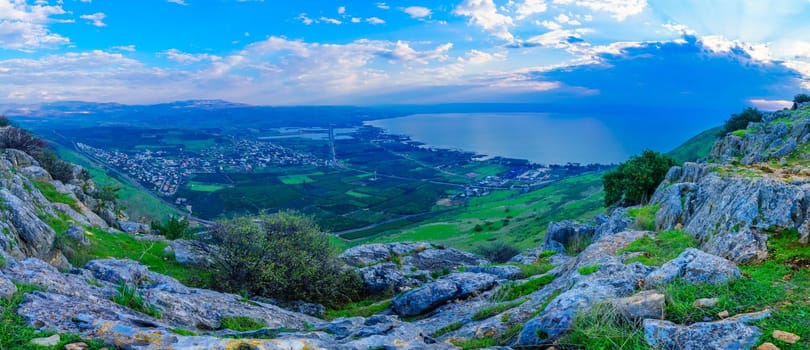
740,120
799,99
22,140
174,228
635,180
4,121
285,256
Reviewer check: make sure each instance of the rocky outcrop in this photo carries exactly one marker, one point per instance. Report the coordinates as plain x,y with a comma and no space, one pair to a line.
431,295
193,252
729,214
648,304
396,266
696,267
730,333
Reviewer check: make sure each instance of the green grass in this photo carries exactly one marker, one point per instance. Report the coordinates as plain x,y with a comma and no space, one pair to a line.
662,247
241,323
363,308
644,217
697,147
577,197
602,328
587,270
512,290
151,254
296,179
780,284
49,191
15,333
205,187
475,343
493,310
540,267
128,296
447,329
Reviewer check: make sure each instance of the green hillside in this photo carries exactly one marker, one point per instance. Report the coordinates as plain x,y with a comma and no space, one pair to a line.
698,147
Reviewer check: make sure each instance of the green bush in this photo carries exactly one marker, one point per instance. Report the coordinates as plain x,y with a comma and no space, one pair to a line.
285,256
800,98
740,120
59,169
174,228
4,121
634,181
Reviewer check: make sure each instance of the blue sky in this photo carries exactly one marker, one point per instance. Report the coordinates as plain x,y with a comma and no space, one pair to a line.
621,52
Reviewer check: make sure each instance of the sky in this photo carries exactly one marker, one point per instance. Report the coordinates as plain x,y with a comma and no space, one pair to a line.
619,52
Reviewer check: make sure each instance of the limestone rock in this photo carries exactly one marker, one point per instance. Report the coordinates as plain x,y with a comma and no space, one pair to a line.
117,271
194,252
731,333
7,288
36,173
507,272
694,266
76,233
767,346
77,346
786,337
431,295
132,227
706,302
47,341
645,304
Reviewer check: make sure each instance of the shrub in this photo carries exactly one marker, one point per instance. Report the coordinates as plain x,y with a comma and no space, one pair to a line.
174,228
740,120
59,169
22,140
498,253
241,323
285,256
4,121
635,180
800,98
587,270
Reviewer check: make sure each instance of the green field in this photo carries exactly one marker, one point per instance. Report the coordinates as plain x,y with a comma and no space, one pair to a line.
298,179
205,187
506,217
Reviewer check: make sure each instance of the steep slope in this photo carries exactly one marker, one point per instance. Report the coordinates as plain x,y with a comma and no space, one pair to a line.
697,147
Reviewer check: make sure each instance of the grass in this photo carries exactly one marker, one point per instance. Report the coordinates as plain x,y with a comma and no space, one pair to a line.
587,270
644,217
660,248
577,244
297,179
475,343
493,310
49,191
540,267
601,328
241,323
512,291
204,187
447,329
697,147
363,308
15,333
780,284
128,296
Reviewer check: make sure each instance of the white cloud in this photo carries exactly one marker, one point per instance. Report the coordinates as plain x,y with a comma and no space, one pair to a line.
480,57
356,19
770,105
551,25
484,14
305,20
179,2
719,44
530,7
330,20
25,27
417,11
341,10
96,19
374,20
127,48
619,9
382,5
188,58
565,19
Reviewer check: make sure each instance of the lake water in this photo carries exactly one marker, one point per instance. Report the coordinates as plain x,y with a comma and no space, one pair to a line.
540,138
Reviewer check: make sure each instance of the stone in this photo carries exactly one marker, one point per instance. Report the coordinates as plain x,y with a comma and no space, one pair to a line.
562,234
694,266
786,337
47,341
36,173
507,272
706,302
723,314
77,346
645,304
134,227
454,286
117,271
193,252
384,277
767,346
76,233
731,333
7,288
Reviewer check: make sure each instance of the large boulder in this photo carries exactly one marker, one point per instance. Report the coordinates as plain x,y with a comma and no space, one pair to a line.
694,266
640,306
384,277
431,295
559,235
194,252
732,334
36,173
119,271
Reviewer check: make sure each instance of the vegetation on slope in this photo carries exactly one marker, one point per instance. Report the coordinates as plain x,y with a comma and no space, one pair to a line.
634,181
697,147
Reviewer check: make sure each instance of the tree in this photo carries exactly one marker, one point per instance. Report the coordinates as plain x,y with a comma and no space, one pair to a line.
174,228
283,255
22,140
4,121
634,181
740,120
799,99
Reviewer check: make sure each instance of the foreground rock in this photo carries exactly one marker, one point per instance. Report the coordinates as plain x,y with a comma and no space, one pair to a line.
731,333
431,295
696,267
